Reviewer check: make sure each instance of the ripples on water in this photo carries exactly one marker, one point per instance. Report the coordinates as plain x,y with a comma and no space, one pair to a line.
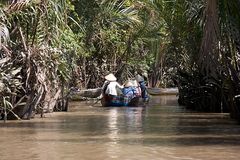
162,130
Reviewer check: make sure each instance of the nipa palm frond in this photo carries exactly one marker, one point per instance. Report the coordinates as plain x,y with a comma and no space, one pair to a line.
119,12
17,5
4,34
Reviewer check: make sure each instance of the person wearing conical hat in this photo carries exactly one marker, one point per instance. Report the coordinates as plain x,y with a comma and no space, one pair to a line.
110,85
128,92
109,89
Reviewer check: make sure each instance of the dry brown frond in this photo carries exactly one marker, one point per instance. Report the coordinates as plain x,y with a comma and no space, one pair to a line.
17,5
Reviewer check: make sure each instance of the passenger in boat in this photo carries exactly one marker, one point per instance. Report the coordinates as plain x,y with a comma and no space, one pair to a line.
110,90
129,92
136,85
142,84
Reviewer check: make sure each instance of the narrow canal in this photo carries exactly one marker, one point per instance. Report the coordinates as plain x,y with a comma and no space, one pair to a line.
161,131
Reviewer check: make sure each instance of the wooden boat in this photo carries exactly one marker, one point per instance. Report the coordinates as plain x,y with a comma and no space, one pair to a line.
105,101
162,91
85,94
119,102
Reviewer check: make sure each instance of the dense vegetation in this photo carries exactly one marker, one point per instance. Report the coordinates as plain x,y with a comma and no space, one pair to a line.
48,46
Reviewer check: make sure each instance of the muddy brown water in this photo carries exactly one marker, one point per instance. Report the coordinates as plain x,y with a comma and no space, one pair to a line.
161,131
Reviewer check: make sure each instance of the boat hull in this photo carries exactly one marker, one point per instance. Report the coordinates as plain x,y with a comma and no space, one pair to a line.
162,91
118,101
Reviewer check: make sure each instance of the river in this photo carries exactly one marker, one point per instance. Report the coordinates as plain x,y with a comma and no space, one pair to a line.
160,131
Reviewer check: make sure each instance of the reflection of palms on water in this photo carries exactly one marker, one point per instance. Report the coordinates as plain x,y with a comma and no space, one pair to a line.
124,122
112,125
134,119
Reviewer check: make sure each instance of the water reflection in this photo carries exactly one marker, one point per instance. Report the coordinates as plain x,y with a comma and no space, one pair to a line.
169,100
122,123
113,135
125,120
113,126
133,118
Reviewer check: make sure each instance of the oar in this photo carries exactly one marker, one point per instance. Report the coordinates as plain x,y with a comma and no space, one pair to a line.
98,99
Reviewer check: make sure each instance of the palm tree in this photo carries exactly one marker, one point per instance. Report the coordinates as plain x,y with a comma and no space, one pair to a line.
42,57
217,64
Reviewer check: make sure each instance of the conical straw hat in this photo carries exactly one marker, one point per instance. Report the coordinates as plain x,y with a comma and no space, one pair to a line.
110,77
128,84
135,83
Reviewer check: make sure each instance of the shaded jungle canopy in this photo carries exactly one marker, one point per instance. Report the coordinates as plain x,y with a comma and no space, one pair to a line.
48,46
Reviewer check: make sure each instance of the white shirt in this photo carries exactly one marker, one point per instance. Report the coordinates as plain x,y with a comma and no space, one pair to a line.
111,88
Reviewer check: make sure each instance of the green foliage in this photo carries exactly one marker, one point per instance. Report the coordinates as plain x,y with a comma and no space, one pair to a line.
75,43
212,83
